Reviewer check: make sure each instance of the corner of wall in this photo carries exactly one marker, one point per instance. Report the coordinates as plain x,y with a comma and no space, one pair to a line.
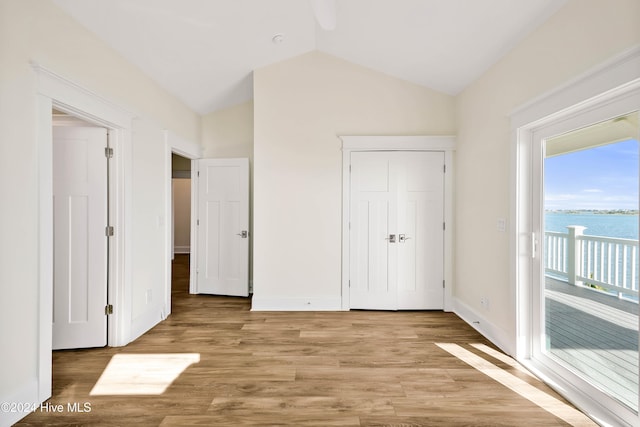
490,331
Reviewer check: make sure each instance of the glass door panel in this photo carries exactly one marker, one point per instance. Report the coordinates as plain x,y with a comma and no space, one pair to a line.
589,254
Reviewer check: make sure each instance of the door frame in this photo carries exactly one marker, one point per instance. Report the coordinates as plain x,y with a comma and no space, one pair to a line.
185,148
446,144
56,91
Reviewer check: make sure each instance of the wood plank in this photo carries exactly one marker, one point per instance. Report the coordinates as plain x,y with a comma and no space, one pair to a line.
596,335
357,368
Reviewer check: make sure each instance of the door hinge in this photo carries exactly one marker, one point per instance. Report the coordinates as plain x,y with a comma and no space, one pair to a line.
109,231
108,152
443,283
349,283
444,225
197,222
198,174
108,309
444,168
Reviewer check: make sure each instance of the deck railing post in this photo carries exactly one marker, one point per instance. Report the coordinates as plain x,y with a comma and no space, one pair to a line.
574,254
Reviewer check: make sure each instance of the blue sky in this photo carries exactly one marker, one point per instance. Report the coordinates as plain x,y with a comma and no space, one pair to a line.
603,177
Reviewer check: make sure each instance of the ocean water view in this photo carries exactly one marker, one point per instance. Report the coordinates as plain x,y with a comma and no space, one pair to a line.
623,226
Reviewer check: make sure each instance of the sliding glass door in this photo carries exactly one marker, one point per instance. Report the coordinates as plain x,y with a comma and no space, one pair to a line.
590,255
584,291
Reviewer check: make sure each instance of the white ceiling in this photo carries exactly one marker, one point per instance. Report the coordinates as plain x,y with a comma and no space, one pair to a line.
204,51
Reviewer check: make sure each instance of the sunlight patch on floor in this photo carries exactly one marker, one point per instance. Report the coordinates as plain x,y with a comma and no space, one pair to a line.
142,374
502,357
524,389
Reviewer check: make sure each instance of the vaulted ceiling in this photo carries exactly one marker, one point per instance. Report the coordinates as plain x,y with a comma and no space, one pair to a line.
204,51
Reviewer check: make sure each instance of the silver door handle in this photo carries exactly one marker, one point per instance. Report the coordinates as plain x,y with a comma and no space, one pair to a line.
244,234
391,238
403,238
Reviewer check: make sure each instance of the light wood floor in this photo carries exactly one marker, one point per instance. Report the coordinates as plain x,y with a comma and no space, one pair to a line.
358,368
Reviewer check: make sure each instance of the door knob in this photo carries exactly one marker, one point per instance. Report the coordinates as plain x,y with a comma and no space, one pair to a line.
403,238
244,234
391,238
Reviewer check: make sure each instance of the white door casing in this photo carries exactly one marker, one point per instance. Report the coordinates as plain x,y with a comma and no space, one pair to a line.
223,227
80,243
396,230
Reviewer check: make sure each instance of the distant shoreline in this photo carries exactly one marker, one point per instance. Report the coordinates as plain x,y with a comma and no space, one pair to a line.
595,211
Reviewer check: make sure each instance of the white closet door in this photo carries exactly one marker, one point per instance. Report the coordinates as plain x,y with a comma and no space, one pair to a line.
396,230
80,243
373,218
420,224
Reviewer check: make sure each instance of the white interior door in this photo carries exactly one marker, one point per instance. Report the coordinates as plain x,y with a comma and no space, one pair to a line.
223,227
396,230
421,233
373,280
80,243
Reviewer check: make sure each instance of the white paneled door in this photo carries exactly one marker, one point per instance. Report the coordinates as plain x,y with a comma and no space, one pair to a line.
397,230
80,242
223,227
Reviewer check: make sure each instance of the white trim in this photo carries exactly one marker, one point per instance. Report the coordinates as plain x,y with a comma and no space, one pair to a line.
182,249
185,148
610,89
45,247
618,71
193,259
61,93
398,143
477,321
80,102
140,324
295,304
447,144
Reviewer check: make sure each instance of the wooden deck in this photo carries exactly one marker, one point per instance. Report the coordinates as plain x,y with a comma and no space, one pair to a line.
597,335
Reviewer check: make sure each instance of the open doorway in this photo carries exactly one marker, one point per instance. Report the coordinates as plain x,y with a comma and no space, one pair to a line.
180,224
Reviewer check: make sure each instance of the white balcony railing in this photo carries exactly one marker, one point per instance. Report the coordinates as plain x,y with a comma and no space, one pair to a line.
604,263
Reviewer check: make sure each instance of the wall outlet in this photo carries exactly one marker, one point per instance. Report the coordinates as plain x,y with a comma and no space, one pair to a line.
484,303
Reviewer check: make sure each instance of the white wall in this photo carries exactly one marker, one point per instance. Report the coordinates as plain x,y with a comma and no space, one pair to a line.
300,107
37,30
228,133
182,215
579,36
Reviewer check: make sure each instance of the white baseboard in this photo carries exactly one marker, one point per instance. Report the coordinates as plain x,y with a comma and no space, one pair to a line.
490,331
182,249
296,304
147,320
20,403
